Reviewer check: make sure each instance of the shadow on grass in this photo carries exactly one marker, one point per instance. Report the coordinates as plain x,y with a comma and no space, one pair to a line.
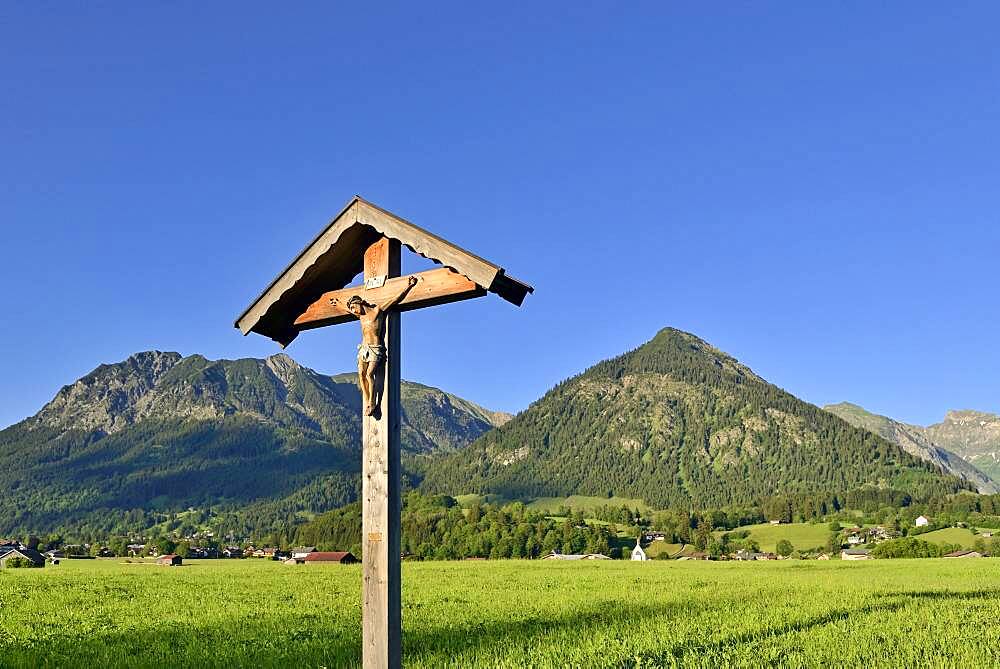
313,640
474,636
283,641
892,602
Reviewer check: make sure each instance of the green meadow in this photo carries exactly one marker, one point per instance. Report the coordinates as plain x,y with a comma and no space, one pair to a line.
802,536
508,614
951,535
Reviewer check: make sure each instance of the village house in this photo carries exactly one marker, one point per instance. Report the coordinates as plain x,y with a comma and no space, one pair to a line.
698,555
855,554
745,556
922,521
649,537
879,533
302,551
232,552
964,554
27,555
197,552
321,557
170,560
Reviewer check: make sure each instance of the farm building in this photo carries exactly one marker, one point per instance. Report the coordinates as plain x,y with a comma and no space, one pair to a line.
585,556
922,521
855,554
638,555
170,560
320,557
964,554
302,551
21,554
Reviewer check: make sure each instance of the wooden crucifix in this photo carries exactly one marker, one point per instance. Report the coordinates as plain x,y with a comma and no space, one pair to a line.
309,294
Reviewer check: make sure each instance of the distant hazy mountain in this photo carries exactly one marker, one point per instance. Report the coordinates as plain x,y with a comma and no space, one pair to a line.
164,432
678,423
975,435
918,441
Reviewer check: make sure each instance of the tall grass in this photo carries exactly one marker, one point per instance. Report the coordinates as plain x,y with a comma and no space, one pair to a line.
508,614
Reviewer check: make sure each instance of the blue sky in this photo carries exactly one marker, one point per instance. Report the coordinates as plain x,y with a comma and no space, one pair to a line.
813,190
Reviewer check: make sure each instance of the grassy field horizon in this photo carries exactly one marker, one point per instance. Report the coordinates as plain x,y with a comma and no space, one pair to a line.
507,614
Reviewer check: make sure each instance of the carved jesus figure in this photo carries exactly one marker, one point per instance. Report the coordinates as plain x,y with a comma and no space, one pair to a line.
371,351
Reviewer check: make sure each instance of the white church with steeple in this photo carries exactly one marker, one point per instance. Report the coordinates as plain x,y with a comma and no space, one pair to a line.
638,553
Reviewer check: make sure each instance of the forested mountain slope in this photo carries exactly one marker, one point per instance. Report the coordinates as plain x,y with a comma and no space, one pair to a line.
915,441
680,424
160,432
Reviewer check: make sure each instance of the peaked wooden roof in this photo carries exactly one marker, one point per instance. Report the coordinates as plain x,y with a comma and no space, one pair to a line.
336,256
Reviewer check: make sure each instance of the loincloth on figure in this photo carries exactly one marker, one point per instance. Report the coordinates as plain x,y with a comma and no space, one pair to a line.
371,353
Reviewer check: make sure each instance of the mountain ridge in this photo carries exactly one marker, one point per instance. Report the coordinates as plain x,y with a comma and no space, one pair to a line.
914,440
678,423
159,431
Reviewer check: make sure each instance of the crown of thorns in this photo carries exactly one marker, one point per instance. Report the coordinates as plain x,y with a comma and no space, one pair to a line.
355,299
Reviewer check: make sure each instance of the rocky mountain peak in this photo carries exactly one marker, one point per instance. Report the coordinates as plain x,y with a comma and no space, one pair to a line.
103,400
283,367
971,418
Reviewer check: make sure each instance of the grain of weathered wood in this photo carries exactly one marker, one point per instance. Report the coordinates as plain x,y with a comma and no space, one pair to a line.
435,286
380,491
427,244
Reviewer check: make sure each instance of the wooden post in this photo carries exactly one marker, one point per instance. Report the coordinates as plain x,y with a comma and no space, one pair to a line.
380,489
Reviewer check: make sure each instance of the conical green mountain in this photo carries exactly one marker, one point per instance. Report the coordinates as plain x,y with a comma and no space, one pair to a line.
162,432
679,424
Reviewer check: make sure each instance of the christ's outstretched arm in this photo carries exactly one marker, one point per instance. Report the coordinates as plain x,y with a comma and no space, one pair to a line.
393,301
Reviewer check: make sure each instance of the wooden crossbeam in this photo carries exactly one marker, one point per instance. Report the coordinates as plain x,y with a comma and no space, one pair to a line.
436,286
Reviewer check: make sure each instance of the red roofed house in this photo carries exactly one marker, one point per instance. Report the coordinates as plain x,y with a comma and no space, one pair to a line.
341,557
